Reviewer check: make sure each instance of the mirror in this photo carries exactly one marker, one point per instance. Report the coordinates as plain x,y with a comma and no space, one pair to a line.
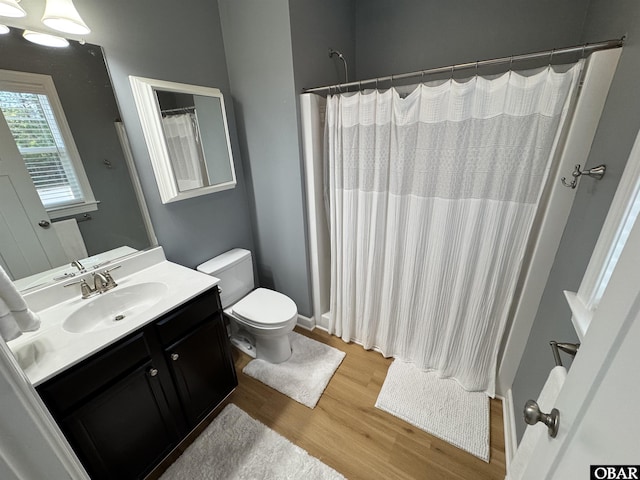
117,226
185,127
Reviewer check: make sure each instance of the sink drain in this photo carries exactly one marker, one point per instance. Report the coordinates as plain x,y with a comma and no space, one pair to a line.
119,317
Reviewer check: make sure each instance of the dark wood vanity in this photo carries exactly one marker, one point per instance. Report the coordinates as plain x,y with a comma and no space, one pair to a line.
126,407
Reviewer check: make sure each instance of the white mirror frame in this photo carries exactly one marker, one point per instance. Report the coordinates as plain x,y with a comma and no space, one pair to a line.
151,119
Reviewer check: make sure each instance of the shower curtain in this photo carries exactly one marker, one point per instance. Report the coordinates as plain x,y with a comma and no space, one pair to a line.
431,202
185,150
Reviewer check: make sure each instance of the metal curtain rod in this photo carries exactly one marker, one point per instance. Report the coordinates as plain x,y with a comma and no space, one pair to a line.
585,49
180,109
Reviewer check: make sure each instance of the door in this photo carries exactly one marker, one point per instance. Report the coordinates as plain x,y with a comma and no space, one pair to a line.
125,431
598,402
202,368
26,248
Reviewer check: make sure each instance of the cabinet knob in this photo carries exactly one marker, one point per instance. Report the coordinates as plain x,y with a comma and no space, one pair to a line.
153,371
175,356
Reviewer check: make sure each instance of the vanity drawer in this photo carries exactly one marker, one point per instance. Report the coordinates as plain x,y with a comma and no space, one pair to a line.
94,374
187,317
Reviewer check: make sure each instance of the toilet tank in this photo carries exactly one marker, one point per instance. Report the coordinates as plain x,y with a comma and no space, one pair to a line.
235,271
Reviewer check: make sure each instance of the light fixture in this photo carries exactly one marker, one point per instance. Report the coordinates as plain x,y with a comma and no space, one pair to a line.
45,39
4,30
10,8
61,15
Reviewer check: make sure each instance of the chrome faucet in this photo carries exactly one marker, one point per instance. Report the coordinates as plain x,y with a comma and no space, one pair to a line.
78,265
102,282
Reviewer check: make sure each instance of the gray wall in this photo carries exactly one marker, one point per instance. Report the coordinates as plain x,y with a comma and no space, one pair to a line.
183,45
395,36
257,40
84,89
317,26
614,139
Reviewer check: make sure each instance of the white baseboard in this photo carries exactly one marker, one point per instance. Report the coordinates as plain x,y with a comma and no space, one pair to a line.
510,436
306,323
324,321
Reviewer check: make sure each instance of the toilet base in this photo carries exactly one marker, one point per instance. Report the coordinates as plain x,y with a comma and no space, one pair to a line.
244,345
270,348
273,349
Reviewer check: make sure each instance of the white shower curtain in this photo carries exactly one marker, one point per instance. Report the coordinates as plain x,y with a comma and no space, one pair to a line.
432,198
185,151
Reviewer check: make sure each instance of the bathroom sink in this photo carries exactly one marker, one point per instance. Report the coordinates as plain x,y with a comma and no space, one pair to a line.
114,307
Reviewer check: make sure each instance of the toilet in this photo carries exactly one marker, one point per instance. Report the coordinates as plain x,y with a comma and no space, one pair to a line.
260,319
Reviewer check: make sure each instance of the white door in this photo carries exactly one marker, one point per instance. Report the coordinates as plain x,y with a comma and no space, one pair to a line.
599,423
26,247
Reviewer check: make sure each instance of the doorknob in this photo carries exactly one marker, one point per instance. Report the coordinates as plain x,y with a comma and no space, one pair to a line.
44,223
533,415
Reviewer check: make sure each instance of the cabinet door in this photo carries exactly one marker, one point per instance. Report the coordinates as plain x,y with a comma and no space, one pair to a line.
125,431
202,369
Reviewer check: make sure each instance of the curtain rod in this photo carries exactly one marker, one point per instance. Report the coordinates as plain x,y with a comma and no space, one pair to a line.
585,49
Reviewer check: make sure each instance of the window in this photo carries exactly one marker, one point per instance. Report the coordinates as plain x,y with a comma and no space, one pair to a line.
34,115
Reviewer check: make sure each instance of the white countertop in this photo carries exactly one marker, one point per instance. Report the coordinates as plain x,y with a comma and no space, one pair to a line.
52,349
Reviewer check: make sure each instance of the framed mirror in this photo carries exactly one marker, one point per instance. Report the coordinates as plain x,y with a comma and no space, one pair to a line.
185,127
39,236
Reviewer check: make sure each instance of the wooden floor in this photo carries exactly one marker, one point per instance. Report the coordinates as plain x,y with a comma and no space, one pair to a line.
348,433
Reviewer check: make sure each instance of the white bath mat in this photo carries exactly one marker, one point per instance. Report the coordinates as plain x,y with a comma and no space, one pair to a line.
305,375
235,446
439,406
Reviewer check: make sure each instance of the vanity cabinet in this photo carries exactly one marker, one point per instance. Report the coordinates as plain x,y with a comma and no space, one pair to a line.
126,407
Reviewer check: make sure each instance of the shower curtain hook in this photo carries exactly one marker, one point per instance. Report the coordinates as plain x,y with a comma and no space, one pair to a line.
551,56
477,67
391,81
511,63
452,68
583,49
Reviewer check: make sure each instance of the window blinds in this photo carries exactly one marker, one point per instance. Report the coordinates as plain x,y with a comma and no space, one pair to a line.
39,140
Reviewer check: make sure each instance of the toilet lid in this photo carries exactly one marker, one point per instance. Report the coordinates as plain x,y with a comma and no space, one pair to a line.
266,307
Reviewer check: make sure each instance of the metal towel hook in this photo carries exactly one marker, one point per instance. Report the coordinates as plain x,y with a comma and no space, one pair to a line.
570,348
595,172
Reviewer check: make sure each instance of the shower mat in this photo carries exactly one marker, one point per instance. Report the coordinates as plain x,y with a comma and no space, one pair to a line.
305,375
235,446
439,406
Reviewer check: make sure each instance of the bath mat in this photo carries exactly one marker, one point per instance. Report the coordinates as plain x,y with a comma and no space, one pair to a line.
439,406
235,446
305,375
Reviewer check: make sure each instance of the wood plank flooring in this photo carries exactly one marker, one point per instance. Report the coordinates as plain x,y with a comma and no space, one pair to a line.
348,433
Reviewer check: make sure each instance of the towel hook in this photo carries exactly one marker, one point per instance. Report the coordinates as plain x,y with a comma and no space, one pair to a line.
595,172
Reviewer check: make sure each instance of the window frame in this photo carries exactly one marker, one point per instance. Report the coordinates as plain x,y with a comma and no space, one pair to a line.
620,219
36,83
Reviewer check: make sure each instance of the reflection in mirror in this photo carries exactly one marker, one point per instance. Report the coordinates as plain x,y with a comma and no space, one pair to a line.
37,236
185,127
195,135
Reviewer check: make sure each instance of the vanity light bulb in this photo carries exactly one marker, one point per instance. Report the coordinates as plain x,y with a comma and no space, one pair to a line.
45,39
61,15
4,29
10,8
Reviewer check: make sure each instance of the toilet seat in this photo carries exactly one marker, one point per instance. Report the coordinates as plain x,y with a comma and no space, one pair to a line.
266,308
